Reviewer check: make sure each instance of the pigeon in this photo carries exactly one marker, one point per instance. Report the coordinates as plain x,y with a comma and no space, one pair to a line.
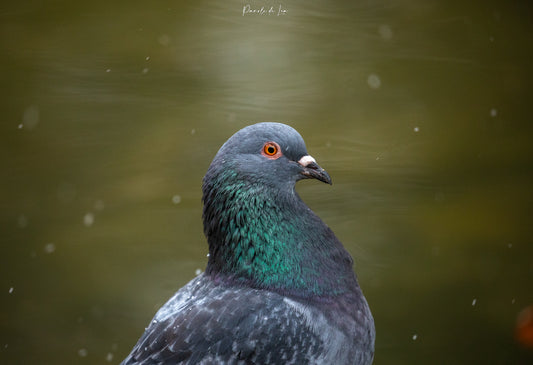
279,287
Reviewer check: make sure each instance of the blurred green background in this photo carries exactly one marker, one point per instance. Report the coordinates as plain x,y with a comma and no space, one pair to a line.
112,112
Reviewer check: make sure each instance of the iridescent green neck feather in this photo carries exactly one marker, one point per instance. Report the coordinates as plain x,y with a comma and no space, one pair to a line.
265,236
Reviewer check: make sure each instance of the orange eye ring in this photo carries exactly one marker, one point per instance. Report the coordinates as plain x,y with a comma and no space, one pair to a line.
271,150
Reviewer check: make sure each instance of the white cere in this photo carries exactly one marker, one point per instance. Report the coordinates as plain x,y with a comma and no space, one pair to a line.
306,160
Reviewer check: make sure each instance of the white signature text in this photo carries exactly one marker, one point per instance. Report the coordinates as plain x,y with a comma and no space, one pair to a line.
248,10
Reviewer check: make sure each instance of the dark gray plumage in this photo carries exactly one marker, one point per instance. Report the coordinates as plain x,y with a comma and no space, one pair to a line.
279,287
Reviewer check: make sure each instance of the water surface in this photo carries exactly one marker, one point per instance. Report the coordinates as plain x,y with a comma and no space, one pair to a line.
419,110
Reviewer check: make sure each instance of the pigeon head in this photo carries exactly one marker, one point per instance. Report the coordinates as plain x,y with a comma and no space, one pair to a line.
259,230
272,154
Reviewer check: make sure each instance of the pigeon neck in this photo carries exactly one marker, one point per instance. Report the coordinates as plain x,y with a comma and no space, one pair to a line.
270,239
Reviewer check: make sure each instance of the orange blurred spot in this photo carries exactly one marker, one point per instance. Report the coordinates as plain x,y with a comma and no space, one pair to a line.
524,327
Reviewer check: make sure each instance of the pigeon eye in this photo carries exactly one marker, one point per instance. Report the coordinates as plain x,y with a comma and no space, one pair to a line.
271,150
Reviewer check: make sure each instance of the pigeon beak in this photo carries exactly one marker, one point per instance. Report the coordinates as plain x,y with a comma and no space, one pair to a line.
311,170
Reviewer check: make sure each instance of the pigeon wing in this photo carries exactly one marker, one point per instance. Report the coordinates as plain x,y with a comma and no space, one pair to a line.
207,323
